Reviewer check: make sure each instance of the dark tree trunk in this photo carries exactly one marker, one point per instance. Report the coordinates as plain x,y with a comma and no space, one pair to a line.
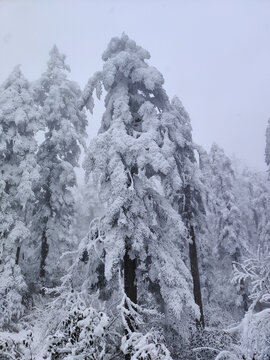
244,296
44,253
130,285
189,213
18,255
130,288
195,274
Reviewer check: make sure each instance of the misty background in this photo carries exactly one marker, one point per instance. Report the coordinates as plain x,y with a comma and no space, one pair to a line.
214,55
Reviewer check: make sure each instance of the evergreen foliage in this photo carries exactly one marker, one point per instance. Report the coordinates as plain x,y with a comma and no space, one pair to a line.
126,265
57,156
19,172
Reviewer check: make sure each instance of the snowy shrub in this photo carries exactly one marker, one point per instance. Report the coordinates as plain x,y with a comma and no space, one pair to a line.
12,289
145,347
82,332
137,345
255,335
254,329
256,273
207,343
252,334
16,345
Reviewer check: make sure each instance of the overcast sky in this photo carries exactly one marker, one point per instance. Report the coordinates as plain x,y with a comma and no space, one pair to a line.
215,55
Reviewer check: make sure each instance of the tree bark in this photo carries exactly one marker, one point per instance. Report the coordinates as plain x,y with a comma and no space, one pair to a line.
130,285
130,288
195,275
44,253
18,255
244,296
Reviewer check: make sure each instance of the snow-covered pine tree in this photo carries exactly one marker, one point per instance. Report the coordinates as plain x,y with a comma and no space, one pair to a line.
228,234
183,184
254,330
19,171
57,156
253,196
254,270
231,240
142,231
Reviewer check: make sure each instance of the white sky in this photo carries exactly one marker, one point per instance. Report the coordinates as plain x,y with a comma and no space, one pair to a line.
214,55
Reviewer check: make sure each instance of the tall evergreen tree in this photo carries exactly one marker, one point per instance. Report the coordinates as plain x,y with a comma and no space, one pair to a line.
227,236
185,193
19,171
228,227
57,156
254,270
129,160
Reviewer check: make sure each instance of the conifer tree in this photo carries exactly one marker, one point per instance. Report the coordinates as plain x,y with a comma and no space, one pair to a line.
129,161
19,172
230,239
254,270
227,234
183,186
57,156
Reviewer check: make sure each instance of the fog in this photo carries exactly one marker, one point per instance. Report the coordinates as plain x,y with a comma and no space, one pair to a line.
214,55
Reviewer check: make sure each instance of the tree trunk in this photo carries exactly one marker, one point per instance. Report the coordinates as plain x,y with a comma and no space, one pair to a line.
195,274
18,255
44,253
130,288
244,296
130,285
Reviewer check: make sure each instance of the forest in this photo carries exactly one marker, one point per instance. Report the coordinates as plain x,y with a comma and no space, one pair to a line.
162,253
